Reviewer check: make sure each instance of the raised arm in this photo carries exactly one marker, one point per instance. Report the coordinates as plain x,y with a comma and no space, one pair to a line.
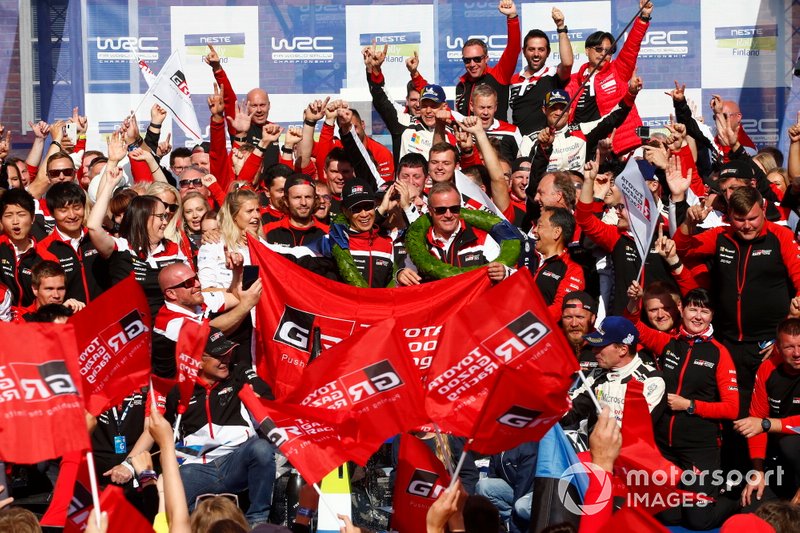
102,241
174,494
41,184
507,65
500,193
564,46
312,114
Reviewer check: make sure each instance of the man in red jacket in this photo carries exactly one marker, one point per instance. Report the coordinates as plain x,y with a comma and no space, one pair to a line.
608,80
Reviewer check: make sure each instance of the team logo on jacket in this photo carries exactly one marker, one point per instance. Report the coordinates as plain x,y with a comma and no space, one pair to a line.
296,329
516,338
369,381
35,382
425,484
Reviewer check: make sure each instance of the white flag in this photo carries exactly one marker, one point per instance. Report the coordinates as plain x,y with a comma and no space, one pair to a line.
172,93
148,75
642,209
472,197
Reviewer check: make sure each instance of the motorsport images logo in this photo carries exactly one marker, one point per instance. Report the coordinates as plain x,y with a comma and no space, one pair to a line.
748,40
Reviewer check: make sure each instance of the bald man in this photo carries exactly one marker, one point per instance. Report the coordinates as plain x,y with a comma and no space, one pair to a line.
183,299
257,103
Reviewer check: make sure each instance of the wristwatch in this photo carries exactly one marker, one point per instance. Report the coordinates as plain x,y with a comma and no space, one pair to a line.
692,408
766,425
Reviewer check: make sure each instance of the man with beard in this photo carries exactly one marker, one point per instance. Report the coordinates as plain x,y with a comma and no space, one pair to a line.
300,226
578,313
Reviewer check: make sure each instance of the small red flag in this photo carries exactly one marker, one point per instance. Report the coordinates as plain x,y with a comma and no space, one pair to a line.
41,404
71,465
113,334
492,354
369,376
122,516
188,357
309,437
421,477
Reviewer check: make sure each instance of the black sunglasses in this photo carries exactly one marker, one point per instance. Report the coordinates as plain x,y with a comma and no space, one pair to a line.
171,207
186,284
441,210
197,182
68,172
468,60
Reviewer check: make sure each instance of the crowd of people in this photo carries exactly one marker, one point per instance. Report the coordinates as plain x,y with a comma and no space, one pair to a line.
708,322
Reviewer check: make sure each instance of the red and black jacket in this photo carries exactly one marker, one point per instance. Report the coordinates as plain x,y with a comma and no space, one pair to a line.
373,254
753,281
15,273
468,248
269,214
776,395
284,233
87,273
700,369
556,277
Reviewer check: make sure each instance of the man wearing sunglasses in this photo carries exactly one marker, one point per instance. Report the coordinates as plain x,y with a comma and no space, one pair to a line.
60,168
183,299
236,459
608,80
452,240
475,55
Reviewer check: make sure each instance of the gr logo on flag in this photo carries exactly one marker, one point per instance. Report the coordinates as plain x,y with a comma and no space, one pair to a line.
424,484
179,80
34,382
296,326
522,417
116,336
277,436
516,338
380,377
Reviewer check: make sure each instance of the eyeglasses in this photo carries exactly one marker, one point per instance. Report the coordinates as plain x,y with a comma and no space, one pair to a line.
362,206
186,284
441,210
468,60
232,497
178,170
600,49
197,182
163,216
56,172
171,207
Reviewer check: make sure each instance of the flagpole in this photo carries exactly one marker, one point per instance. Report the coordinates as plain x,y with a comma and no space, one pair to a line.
176,426
440,440
591,392
326,504
93,483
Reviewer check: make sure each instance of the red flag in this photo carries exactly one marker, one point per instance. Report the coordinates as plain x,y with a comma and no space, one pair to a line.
189,354
421,477
161,388
113,334
73,465
41,405
287,317
651,479
309,437
502,370
122,516
370,377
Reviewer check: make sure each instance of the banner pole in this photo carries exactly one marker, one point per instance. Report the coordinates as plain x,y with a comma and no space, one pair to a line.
326,503
175,428
93,483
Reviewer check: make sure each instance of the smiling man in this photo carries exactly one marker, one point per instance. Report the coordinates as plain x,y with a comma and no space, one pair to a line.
529,87
301,226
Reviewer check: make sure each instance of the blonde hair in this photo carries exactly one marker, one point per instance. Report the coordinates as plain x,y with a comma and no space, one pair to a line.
19,520
214,509
173,230
232,235
766,161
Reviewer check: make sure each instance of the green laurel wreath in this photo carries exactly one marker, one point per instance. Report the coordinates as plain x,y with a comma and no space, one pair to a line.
434,267
345,263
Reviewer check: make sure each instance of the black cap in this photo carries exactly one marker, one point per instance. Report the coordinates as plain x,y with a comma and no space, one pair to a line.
356,191
585,299
738,169
518,162
218,345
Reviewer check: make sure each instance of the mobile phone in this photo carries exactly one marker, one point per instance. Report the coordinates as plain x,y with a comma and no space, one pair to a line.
643,132
249,276
71,131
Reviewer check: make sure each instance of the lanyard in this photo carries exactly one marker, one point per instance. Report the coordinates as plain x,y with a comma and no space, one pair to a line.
120,420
